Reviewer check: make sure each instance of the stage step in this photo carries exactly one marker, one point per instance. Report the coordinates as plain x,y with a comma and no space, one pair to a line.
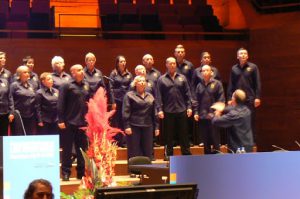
159,152
121,163
121,167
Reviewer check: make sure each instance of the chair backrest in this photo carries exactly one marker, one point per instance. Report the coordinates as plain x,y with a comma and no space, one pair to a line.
138,160
143,2
4,7
41,6
107,1
127,8
181,1
20,10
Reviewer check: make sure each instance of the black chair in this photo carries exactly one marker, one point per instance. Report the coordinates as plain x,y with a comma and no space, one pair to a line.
138,160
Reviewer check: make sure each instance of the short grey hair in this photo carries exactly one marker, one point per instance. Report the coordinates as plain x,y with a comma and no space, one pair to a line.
56,59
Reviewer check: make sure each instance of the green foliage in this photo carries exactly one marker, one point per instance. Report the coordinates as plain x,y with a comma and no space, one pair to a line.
65,196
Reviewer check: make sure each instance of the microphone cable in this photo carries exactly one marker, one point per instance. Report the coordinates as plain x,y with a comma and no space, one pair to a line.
21,120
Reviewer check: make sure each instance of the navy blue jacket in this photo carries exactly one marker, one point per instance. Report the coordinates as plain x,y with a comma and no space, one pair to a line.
239,119
153,75
139,111
119,85
34,80
46,104
173,96
206,96
58,81
24,98
187,69
95,79
6,100
6,74
72,102
246,78
197,76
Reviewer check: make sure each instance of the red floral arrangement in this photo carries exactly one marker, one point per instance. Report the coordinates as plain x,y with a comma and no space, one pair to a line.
102,152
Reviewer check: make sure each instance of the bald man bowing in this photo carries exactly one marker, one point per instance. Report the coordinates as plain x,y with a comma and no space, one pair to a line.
238,116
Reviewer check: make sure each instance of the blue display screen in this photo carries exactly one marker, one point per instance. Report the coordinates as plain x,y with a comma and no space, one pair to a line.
26,158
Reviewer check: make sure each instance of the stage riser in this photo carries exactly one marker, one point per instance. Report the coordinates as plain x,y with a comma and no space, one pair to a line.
121,163
121,167
69,189
159,152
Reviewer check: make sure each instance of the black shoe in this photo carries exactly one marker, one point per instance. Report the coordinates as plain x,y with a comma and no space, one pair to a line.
74,158
153,159
156,145
132,175
66,177
166,158
79,177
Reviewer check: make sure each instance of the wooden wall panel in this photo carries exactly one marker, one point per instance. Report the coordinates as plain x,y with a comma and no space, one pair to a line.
74,50
276,51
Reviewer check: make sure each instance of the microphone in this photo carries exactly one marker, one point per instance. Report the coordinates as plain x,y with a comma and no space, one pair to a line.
277,147
108,78
220,152
229,149
297,143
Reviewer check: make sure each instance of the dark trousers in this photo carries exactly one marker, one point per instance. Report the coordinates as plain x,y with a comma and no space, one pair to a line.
176,123
117,121
250,105
210,136
139,143
191,129
4,125
234,142
73,134
48,129
29,125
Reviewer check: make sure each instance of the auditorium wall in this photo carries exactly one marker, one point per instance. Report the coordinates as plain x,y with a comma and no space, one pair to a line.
277,51
275,46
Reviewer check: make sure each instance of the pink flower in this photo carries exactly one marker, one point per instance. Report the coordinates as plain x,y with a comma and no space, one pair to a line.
102,151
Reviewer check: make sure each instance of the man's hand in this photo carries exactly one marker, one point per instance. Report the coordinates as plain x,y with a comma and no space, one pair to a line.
196,118
11,117
62,125
128,131
189,112
257,103
161,115
218,113
156,133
